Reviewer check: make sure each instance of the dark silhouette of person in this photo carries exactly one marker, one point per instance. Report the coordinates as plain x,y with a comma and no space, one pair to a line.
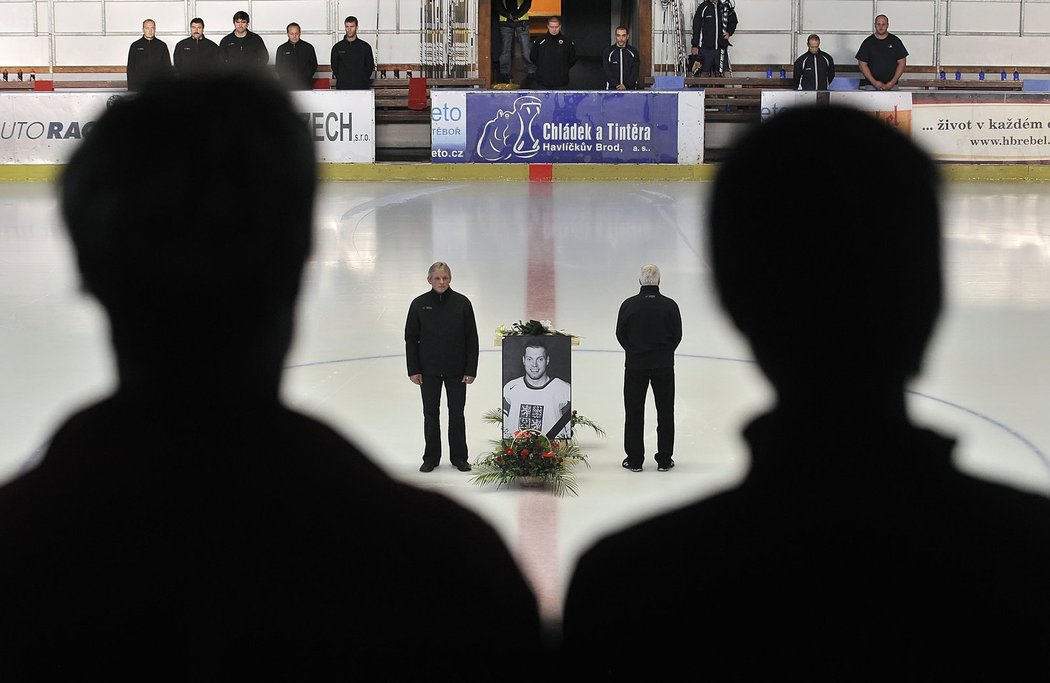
853,549
190,526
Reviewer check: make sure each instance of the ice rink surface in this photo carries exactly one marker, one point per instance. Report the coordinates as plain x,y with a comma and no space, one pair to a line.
568,252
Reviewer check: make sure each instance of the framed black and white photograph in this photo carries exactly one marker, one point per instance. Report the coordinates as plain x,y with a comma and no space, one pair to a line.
537,385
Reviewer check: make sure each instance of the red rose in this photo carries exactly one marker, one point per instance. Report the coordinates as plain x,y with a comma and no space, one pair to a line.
548,454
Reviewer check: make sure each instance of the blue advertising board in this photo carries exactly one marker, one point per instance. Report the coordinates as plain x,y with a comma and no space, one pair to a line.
637,127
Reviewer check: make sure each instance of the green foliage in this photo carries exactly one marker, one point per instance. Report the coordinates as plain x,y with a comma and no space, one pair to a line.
530,454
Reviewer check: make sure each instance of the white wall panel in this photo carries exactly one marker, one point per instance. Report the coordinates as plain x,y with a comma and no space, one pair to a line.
24,50
907,15
760,49
920,49
402,48
92,50
841,46
410,16
364,10
1037,17
275,15
127,17
762,15
79,17
18,16
839,15
986,16
1009,51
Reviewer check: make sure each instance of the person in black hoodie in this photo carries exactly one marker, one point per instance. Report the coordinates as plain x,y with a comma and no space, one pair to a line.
553,55
620,63
649,328
148,58
441,347
815,69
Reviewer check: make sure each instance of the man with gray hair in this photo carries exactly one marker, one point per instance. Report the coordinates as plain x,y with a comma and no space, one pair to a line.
441,347
649,328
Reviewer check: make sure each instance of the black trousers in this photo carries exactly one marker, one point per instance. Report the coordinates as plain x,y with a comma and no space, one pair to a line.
456,395
635,386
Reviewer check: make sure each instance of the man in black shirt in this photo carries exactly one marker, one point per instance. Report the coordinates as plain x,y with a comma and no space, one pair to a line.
148,58
352,60
882,57
242,49
296,61
196,54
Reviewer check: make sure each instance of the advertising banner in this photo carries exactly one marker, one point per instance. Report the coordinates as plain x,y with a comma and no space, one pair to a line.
894,107
45,128
537,385
635,127
976,132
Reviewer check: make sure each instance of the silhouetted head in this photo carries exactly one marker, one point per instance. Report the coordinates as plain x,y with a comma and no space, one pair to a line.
825,240
190,207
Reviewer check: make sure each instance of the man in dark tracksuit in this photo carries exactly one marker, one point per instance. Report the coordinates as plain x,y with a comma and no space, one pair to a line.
352,60
148,58
441,346
620,63
553,55
714,22
649,328
815,69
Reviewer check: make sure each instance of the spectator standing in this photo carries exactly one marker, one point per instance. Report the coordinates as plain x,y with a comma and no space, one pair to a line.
620,63
815,69
649,328
553,54
882,57
352,60
148,58
241,49
296,61
196,55
441,347
514,28
713,23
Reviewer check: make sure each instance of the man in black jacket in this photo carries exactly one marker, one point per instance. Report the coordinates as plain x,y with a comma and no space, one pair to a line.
553,55
296,61
714,22
620,63
352,60
815,69
242,49
195,55
148,58
649,328
441,346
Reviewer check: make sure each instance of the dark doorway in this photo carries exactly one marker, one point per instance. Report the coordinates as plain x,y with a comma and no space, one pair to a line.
589,23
